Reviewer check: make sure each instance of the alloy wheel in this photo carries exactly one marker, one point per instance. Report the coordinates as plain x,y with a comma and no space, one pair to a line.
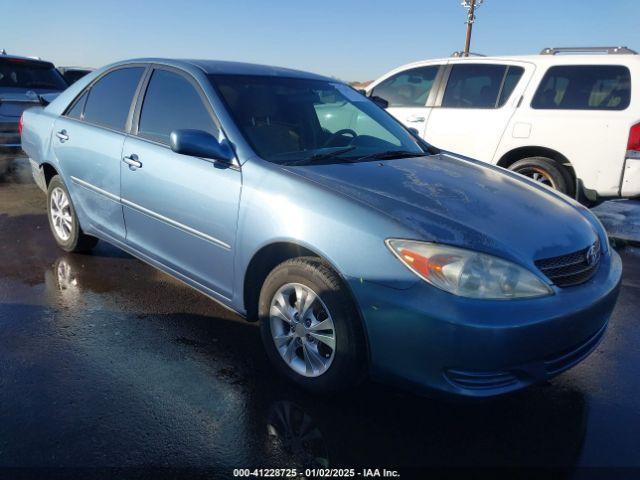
61,216
538,175
302,329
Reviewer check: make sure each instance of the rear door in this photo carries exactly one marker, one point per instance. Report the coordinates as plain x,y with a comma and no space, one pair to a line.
180,210
410,94
88,142
474,107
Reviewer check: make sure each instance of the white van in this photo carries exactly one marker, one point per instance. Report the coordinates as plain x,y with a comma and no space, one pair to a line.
569,118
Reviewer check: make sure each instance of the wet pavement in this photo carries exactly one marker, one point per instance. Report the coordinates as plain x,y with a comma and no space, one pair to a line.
106,362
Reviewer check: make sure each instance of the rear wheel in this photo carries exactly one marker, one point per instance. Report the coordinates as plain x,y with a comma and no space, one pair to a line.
310,326
546,171
64,221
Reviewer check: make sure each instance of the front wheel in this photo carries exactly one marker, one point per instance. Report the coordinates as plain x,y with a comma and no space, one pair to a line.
64,221
546,171
310,327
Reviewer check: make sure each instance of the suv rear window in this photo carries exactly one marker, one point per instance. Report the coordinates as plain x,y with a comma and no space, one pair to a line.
26,74
584,87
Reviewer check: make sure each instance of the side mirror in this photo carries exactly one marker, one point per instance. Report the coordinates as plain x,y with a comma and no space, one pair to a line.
381,102
197,143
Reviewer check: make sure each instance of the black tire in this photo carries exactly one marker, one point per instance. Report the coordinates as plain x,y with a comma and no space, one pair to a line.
77,240
349,365
550,172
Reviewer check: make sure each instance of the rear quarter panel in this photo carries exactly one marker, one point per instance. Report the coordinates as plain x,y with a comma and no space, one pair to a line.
593,141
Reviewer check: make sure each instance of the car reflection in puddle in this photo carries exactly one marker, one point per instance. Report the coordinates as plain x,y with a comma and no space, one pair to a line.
292,430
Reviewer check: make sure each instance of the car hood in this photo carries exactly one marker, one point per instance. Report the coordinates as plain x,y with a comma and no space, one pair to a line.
449,200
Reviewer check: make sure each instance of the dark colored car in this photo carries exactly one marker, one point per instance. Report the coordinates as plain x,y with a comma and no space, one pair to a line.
24,82
73,74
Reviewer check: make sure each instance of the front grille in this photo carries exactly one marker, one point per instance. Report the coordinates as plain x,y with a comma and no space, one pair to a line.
572,269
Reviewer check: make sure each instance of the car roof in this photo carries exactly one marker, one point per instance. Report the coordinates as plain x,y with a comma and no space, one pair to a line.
6,56
223,67
567,59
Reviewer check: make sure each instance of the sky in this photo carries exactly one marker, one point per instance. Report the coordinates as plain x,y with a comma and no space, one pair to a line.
348,39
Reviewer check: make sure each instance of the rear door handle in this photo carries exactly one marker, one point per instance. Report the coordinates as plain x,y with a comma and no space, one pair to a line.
416,119
132,161
62,136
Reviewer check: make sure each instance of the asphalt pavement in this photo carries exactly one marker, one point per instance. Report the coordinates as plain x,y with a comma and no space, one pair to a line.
106,362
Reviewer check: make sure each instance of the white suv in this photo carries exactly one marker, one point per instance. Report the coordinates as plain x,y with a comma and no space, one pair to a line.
571,121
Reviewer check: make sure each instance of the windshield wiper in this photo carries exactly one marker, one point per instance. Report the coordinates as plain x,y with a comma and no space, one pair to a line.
319,156
392,154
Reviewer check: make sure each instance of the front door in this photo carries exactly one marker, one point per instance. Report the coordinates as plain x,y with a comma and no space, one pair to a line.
88,142
409,94
179,210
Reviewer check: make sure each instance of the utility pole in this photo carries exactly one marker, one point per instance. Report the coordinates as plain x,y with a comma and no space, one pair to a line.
471,6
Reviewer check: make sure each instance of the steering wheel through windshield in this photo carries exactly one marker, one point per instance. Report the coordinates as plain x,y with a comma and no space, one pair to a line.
340,133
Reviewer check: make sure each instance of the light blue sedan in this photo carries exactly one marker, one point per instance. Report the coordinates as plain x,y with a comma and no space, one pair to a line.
293,200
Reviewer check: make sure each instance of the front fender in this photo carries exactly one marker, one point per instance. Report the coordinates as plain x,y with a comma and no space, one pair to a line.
279,207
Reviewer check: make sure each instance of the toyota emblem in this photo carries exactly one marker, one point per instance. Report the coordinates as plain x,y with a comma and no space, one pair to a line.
592,255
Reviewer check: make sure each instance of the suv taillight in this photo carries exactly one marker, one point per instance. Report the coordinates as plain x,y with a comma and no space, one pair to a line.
20,124
633,145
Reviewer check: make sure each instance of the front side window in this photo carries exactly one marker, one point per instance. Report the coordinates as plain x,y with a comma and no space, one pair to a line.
410,88
474,86
290,120
584,87
172,103
110,98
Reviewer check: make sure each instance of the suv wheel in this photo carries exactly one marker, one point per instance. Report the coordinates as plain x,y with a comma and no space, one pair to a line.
63,220
310,327
545,171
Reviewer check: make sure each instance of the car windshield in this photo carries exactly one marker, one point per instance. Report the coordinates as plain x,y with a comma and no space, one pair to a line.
26,74
293,121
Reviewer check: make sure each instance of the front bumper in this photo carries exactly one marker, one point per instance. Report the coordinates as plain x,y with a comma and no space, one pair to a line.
433,341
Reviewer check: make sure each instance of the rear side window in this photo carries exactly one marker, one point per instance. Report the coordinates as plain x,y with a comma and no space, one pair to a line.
78,108
478,86
584,87
110,98
172,103
410,88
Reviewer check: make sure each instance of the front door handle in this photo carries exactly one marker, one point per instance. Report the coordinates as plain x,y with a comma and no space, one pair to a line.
132,161
416,119
62,136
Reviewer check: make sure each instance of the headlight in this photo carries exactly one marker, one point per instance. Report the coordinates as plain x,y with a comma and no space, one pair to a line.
467,273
